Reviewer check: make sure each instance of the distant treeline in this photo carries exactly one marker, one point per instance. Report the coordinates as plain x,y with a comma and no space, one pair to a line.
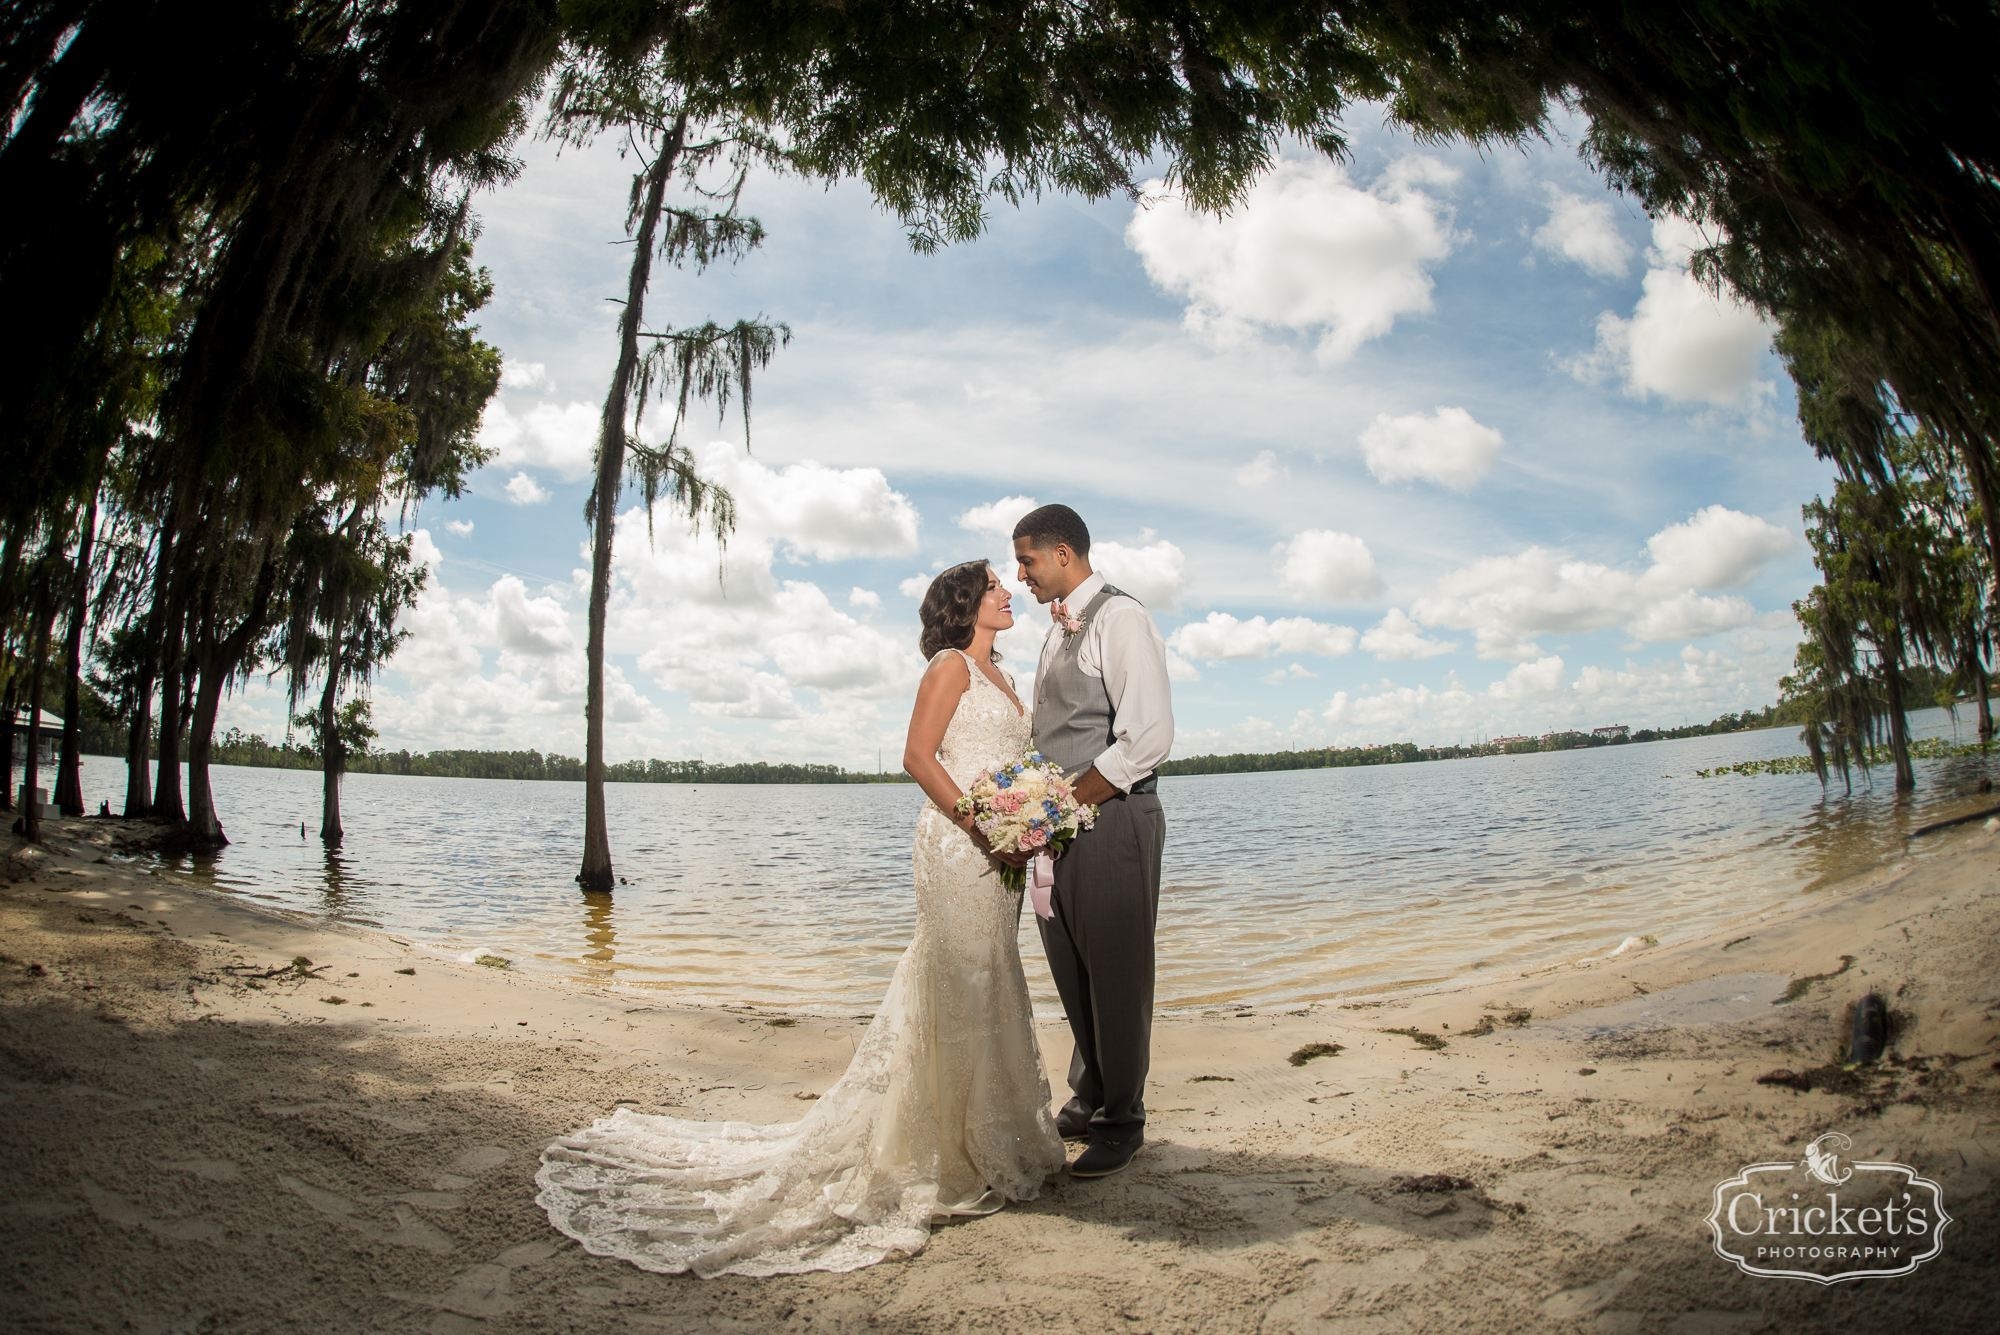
1404,753
237,747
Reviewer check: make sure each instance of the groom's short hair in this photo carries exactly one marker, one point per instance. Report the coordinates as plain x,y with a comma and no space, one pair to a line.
1053,524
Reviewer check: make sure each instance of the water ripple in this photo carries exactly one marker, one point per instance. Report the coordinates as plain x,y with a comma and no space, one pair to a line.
1277,887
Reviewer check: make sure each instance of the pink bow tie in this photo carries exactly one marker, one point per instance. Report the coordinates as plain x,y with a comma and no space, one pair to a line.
1058,612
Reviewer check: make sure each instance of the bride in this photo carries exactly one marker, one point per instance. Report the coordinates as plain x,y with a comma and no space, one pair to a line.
945,1107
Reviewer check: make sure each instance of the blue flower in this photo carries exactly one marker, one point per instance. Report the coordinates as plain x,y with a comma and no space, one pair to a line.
1003,780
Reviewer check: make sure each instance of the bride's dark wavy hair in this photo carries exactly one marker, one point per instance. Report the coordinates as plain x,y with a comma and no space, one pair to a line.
951,608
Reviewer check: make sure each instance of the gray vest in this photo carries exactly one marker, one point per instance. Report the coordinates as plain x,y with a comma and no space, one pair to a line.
1073,712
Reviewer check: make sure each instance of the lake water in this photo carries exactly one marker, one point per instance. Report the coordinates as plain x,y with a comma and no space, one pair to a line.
1277,888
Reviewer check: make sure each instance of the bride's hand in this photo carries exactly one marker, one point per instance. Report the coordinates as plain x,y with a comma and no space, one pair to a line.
967,824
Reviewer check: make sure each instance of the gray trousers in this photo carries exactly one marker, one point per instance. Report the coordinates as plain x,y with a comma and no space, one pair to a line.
1100,949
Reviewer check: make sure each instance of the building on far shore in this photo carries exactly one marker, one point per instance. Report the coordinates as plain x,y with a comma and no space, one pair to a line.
52,726
1617,732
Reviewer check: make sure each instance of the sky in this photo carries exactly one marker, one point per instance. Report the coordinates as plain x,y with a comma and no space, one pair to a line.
1428,445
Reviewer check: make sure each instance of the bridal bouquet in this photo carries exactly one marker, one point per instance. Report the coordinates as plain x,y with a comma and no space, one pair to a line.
1027,807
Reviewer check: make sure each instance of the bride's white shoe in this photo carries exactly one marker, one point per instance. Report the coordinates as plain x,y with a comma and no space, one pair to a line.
988,1202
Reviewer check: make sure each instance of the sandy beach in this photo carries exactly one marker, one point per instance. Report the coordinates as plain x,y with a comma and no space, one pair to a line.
220,1118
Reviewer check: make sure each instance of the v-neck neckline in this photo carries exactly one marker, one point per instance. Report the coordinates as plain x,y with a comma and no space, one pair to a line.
972,664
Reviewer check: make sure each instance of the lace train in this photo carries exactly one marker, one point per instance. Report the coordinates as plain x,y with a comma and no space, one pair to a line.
944,1109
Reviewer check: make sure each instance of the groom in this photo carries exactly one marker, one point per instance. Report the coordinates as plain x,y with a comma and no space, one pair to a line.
1103,713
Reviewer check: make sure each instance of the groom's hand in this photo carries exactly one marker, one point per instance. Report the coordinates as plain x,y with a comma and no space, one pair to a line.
1093,788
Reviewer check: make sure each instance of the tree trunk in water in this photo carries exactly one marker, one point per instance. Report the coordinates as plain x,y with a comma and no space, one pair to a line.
69,774
8,560
332,755
203,827
10,556
1985,705
218,664
7,742
1977,669
176,674
167,787
139,744
1975,454
595,877
203,824
1899,728
31,810
139,752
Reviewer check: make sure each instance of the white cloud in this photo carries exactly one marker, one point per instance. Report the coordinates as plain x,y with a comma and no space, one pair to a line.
1155,574
560,438
526,375
1534,697
827,514
424,550
1325,564
1584,231
720,627
1307,250
524,490
1389,715
1396,638
458,528
1258,471
745,658
1222,636
996,519
538,627
1682,342
1688,615
442,644
531,695
1693,686
1717,548
1293,671
916,586
1448,447
1544,676
1506,601
1675,240
1179,669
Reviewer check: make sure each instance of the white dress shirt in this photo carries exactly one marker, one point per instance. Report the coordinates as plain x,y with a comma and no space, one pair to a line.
1123,649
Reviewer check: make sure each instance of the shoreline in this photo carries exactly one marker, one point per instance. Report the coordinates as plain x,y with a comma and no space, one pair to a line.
630,976
207,1135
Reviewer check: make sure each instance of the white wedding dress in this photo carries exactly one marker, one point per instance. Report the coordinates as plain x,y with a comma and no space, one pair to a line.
944,1109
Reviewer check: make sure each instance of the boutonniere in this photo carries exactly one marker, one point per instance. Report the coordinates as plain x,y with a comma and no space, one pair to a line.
1070,624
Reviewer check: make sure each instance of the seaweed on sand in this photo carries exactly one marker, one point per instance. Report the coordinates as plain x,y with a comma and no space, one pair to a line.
1800,986
1312,1050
